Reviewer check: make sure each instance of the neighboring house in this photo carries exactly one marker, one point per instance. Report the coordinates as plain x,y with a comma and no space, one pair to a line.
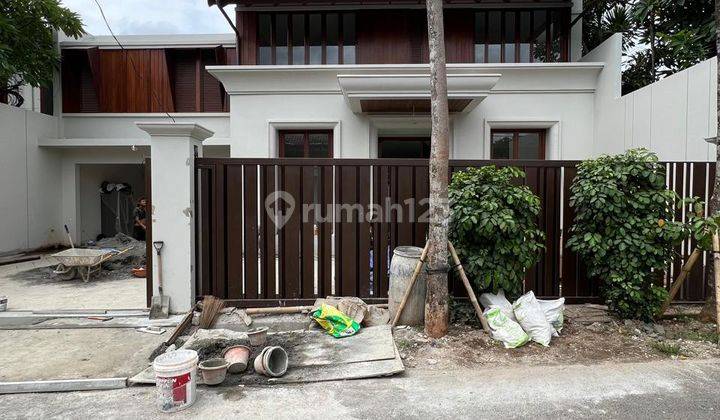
345,81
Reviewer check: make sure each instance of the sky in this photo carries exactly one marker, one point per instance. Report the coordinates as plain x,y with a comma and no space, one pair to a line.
141,17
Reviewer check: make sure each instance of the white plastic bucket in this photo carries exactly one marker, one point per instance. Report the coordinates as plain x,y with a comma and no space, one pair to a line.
175,379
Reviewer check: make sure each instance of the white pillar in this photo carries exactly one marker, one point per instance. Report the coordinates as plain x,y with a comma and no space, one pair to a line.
173,148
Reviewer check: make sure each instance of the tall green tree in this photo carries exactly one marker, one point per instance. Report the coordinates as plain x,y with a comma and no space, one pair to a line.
660,37
28,54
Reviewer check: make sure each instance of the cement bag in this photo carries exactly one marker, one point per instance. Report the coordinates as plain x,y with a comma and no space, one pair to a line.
505,329
335,322
489,300
554,312
532,319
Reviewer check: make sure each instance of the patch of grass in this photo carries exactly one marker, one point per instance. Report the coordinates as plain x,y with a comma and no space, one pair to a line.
709,336
670,349
403,344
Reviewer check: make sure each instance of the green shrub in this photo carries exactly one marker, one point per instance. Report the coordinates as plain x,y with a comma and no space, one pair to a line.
623,229
494,227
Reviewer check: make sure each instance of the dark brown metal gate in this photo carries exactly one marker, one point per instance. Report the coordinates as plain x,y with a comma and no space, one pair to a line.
244,258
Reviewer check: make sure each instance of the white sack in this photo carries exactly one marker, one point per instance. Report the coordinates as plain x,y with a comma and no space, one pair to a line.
505,329
532,319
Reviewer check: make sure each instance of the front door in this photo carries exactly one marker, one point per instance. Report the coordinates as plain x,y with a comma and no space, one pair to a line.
404,147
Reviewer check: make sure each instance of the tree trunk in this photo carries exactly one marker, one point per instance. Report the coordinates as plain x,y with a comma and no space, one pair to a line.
708,311
436,300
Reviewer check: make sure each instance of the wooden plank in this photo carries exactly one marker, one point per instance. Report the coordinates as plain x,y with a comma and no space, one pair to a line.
62,385
569,279
695,284
204,282
160,86
137,82
250,230
346,264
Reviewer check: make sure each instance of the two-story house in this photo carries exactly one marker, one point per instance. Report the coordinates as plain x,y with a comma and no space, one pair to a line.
350,80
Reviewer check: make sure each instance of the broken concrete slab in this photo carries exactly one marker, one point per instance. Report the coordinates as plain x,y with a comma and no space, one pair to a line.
319,348
341,372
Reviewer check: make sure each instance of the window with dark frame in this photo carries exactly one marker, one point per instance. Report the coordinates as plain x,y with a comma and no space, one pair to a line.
306,38
306,143
517,144
522,36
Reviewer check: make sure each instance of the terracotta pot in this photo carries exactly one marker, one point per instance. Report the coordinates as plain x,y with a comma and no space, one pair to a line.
257,336
272,361
237,357
213,371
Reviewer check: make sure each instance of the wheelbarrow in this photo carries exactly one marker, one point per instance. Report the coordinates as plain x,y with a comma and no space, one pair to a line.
83,262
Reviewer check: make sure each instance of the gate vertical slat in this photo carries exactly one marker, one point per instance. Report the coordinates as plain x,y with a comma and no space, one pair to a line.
551,256
532,181
326,232
250,229
234,232
347,243
422,191
204,283
677,184
695,188
384,247
219,245
267,239
570,273
405,182
307,251
364,245
290,273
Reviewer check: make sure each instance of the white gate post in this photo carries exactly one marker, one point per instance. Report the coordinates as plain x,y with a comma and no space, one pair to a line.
173,148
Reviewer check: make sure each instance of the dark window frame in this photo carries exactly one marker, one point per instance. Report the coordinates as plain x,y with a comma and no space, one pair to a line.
306,38
564,37
306,142
516,140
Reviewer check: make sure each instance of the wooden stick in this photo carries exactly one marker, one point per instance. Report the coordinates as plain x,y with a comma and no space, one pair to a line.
470,292
716,260
675,288
413,279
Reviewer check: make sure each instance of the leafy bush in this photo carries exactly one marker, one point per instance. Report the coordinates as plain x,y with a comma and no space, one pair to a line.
494,227
623,229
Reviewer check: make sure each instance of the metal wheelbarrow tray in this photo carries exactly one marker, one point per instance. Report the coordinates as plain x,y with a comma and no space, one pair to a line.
85,262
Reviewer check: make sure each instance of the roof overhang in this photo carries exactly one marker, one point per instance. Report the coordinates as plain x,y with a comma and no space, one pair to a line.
387,93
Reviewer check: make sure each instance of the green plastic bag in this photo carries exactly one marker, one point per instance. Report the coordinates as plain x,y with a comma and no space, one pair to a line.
335,322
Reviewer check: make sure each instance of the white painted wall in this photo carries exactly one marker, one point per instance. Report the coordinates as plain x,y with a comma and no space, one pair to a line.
30,192
265,99
671,117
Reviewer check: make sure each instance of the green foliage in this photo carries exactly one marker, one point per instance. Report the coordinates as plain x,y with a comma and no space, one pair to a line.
623,228
660,37
494,226
28,52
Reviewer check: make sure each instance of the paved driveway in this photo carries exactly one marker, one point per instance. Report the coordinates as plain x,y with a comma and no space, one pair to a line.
660,389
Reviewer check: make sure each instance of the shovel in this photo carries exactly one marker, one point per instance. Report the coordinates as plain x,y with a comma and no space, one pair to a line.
160,305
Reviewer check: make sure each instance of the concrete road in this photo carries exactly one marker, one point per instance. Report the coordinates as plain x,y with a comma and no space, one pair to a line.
665,389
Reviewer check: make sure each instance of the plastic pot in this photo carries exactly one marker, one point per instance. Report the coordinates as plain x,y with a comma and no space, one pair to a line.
257,336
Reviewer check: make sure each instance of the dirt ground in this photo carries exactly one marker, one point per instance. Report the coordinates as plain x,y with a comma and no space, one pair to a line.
587,338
